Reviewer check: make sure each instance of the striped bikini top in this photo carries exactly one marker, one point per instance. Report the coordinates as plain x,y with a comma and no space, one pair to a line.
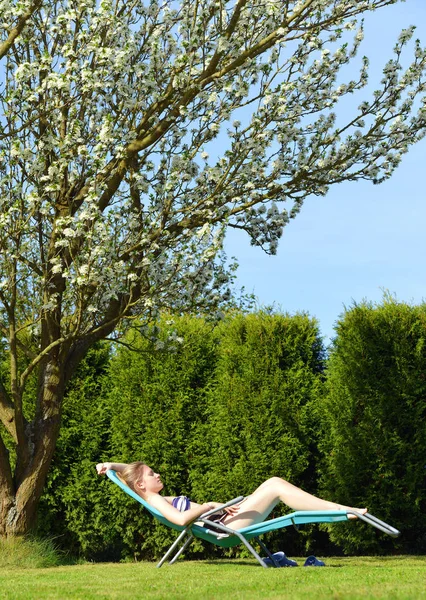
182,503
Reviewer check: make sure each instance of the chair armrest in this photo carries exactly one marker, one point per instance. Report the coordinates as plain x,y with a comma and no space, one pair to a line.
215,510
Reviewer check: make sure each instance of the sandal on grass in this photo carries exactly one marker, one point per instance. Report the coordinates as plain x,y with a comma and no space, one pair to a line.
281,559
312,561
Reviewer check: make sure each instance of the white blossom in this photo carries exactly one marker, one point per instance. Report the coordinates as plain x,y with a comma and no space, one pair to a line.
112,170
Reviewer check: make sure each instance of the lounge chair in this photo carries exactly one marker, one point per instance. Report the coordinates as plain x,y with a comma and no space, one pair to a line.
226,537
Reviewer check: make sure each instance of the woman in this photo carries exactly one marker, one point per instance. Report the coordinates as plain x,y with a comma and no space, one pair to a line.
253,509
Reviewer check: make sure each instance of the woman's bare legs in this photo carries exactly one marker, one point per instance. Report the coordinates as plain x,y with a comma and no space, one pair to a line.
258,505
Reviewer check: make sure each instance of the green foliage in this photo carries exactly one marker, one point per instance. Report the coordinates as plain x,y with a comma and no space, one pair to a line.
258,416
240,402
374,425
216,416
156,398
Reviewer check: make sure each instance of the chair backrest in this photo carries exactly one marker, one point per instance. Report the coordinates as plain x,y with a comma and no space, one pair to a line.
155,513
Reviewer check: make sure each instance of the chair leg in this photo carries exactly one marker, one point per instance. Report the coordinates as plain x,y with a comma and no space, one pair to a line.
265,549
253,551
181,549
173,546
221,527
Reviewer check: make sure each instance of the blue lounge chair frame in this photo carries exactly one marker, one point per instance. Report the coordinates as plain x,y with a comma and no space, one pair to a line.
226,537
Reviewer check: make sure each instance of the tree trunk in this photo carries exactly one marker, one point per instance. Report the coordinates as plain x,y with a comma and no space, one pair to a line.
6,488
18,515
19,509
19,496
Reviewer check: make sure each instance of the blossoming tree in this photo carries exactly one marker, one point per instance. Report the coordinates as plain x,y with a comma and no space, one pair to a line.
116,189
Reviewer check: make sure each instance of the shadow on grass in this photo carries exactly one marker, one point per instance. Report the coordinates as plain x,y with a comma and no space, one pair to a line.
255,565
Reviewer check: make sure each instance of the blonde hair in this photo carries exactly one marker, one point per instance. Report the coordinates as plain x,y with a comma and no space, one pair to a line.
132,473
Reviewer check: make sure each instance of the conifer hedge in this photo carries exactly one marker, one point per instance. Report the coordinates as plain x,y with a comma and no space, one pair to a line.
374,424
218,409
216,416
259,418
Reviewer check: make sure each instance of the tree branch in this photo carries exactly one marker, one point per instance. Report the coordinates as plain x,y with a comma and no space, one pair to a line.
7,412
39,357
6,477
23,347
22,21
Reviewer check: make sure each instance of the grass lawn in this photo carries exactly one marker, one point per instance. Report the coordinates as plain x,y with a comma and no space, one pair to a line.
361,577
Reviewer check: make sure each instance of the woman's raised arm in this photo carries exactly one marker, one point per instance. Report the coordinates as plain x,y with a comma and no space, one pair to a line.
102,468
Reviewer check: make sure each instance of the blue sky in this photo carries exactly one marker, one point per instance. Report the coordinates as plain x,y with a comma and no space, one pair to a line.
360,239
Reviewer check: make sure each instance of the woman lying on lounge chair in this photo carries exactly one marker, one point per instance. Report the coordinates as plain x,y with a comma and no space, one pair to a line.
253,509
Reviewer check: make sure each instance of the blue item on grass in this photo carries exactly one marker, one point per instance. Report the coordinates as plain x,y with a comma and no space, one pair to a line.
280,560
312,561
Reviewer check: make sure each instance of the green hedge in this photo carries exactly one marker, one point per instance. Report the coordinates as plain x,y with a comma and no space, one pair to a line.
139,404
374,424
234,404
157,398
223,411
258,420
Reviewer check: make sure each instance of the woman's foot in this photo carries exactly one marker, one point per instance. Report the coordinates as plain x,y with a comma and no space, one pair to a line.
361,511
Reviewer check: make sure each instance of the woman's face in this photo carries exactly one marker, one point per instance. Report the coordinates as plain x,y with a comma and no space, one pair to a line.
151,481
